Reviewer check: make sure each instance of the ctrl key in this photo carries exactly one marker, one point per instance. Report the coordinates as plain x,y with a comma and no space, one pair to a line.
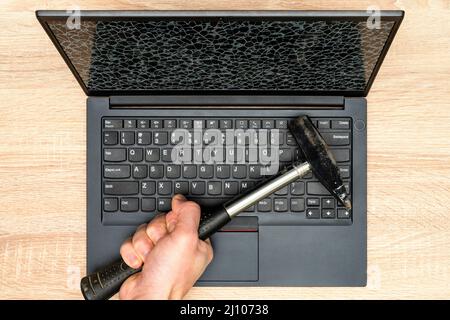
110,204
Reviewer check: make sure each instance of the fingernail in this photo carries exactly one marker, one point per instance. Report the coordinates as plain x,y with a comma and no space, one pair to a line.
180,197
133,261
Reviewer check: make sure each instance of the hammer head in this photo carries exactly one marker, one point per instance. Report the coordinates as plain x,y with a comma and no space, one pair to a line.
318,155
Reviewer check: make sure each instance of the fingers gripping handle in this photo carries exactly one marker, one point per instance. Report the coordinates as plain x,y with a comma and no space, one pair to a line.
107,282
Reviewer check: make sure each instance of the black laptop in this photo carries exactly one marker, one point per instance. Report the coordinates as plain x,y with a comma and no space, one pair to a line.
149,74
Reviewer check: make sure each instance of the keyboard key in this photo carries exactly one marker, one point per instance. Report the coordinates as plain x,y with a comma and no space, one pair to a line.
254,124
129,124
156,124
231,188
246,185
127,137
110,204
226,124
344,171
241,124
282,192
114,155
156,171
276,138
151,155
143,124
313,214
199,124
198,187
112,124
290,140
316,188
189,171
281,124
280,205
166,155
139,171
121,187
297,188
129,204
181,187
341,155
254,171
160,138
286,155
148,187
116,171
144,138
110,138
343,214
222,171
328,214
170,124
173,171
135,154
268,124
212,124
250,209
313,202
297,204
164,204
265,205
239,171
186,124
340,124
206,171
214,188
328,203
148,204
323,124
164,187
336,139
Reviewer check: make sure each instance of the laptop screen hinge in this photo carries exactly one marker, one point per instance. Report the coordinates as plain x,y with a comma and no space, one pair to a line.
228,101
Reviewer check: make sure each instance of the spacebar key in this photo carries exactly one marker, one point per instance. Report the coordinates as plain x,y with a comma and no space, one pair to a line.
317,189
121,187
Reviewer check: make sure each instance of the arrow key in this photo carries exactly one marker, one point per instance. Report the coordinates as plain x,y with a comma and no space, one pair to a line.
328,214
328,203
312,214
343,214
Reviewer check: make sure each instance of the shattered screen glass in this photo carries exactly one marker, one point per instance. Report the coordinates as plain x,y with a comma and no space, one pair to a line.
223,53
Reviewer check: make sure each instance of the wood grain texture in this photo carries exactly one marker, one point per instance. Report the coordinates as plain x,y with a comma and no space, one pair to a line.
43,157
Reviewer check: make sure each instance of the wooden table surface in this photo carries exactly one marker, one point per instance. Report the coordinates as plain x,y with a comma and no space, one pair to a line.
43,157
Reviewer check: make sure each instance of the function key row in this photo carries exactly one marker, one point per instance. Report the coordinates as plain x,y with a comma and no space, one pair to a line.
160,138
217,124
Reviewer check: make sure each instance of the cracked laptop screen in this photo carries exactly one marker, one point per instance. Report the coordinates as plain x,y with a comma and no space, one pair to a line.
222,54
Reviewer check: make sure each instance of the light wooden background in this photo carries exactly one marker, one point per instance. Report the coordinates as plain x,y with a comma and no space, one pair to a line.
43,157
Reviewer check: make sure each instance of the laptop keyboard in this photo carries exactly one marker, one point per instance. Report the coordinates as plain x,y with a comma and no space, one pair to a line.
140,178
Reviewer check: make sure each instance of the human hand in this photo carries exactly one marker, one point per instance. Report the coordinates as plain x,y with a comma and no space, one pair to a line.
172,255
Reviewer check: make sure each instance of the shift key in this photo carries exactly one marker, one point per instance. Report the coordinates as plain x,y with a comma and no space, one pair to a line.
121,187
336,139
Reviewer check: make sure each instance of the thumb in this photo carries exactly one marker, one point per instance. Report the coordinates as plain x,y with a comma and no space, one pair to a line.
185,214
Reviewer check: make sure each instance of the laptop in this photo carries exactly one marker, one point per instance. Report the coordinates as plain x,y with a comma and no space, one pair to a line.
150,74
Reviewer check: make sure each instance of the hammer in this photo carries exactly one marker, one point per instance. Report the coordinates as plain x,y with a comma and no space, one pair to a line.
105,283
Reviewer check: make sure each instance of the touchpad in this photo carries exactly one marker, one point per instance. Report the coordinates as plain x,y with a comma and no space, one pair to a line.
235,257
